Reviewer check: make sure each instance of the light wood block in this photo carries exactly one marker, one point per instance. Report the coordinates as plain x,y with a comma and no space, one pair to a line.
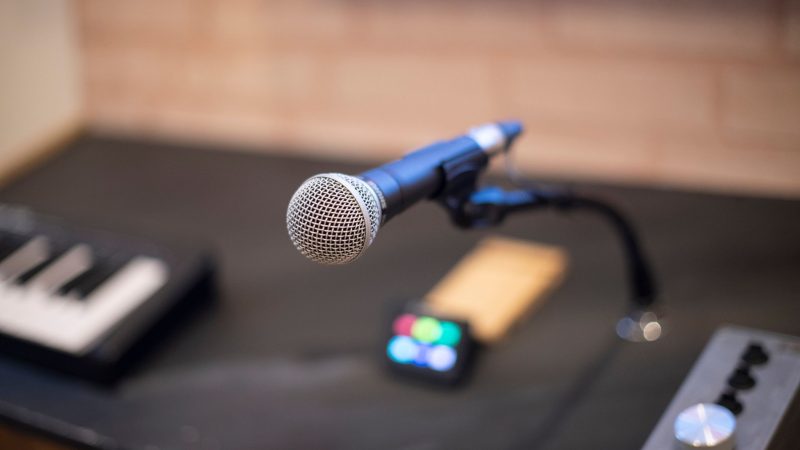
497,283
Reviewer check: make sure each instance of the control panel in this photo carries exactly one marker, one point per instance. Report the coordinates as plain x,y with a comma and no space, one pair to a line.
741,394
424,346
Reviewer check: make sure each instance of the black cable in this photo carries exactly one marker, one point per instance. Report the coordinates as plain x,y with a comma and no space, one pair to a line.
640,277
568,403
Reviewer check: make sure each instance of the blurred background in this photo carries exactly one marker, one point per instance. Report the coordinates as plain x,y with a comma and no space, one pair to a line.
699,94
680,95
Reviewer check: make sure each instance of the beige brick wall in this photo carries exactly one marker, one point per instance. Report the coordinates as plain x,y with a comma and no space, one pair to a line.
698,93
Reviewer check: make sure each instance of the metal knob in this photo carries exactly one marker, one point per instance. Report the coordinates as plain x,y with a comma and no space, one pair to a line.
705,425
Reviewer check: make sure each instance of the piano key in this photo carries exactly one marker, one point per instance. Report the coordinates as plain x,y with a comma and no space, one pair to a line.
33,271
83,285
76,326
68,288
128,288
68,266
31,254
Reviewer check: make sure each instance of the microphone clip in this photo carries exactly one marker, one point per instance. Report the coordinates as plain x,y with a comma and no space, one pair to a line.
473,207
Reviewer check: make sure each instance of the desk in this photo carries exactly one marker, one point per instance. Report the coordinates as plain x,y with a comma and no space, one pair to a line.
288,357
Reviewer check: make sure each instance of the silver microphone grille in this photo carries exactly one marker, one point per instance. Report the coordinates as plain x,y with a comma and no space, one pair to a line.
333,218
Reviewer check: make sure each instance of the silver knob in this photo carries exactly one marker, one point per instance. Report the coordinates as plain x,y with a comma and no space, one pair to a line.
705,425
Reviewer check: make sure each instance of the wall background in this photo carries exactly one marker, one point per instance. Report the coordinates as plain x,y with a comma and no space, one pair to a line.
699,93
40,82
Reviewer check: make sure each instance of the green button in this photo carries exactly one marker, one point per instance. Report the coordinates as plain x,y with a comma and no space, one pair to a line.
426,329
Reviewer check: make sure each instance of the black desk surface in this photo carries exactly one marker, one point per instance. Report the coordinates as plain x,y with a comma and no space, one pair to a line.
287,359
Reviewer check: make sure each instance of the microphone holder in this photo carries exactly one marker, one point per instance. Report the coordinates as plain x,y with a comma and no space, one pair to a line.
470,208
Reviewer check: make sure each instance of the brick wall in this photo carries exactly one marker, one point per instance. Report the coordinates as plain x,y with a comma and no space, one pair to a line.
700,93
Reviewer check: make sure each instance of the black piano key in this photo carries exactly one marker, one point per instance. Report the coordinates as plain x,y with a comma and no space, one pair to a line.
70,285
70,264
33,271
9,245
83,285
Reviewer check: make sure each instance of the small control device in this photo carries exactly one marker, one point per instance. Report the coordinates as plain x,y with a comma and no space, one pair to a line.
741,394
428,346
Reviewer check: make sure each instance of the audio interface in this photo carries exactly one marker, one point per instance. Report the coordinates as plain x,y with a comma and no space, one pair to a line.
742,393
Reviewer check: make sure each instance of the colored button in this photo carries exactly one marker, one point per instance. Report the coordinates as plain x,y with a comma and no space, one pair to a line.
402,324
422,355
402,349
441,358
451,334
426,329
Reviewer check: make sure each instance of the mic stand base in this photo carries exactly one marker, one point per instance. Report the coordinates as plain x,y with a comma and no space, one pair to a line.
641,324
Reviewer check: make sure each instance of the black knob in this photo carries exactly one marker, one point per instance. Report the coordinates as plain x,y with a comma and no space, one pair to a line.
741,379
728,400
755,355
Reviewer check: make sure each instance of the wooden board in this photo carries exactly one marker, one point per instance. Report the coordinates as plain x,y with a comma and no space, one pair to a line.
497,283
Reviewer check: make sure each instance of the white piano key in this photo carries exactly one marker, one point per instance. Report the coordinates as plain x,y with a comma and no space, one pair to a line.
74,262
73,326
32,253
11,292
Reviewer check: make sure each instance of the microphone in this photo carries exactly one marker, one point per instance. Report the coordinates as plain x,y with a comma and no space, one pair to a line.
333,218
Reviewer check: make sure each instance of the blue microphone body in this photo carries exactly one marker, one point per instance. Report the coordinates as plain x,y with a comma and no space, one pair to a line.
421,174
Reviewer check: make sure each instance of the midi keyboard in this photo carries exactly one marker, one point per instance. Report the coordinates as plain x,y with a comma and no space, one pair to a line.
80,300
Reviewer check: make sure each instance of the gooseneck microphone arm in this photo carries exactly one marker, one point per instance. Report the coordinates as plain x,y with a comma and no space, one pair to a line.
490,205
642,285
472,207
